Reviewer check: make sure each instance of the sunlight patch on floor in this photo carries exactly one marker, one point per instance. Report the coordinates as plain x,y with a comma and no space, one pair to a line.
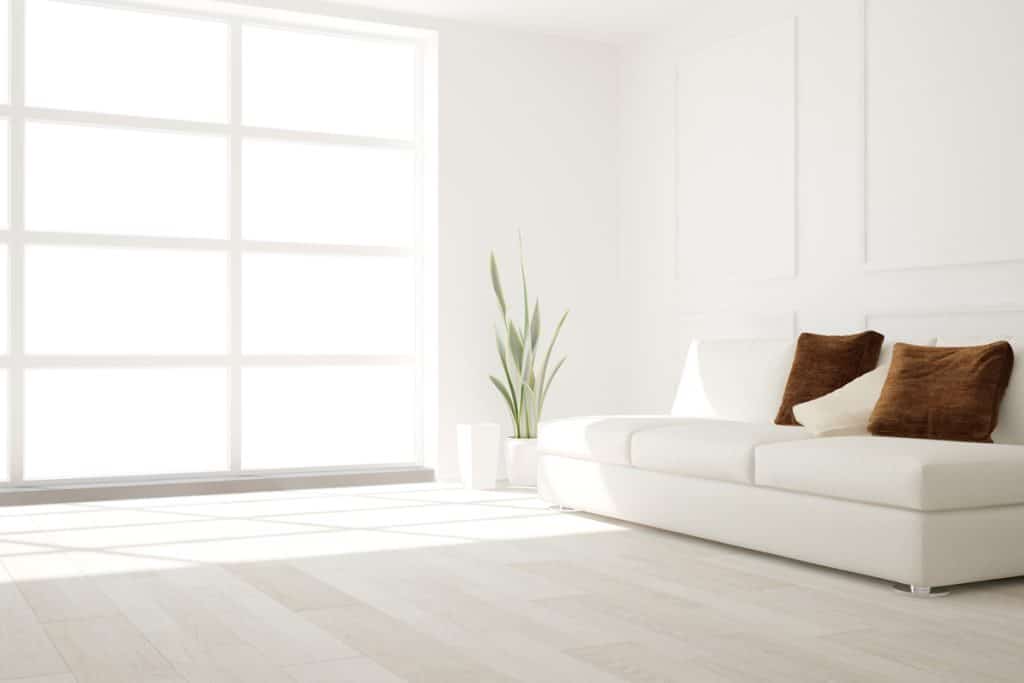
88,539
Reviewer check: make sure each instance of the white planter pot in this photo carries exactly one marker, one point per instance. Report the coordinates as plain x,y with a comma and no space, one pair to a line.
479,447
521,461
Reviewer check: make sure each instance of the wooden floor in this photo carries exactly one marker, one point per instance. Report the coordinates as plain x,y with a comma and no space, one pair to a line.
429,582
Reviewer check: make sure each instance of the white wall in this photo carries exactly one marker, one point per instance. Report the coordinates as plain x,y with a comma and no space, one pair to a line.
528,141
944,169
528,129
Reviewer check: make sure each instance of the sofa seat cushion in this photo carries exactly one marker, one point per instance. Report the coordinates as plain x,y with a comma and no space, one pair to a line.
708,449
601,438
918,474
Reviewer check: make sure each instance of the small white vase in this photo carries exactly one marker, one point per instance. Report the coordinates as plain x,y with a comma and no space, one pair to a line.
479,454
521,461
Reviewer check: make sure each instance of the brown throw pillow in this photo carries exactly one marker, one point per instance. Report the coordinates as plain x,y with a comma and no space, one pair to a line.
823,363
943,392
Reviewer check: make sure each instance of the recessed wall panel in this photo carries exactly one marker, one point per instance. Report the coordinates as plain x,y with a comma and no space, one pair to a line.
945,146
736,158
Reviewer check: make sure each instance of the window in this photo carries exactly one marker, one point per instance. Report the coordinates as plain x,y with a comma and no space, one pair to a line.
348,194
102,300
106,422
86,57
309,81
317,414
211,259
371,302
125,181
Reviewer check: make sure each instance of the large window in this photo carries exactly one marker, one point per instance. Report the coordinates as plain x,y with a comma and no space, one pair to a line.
211,241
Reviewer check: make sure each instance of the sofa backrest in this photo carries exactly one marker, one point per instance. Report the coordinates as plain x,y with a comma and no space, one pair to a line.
743,379
1010,427
734,379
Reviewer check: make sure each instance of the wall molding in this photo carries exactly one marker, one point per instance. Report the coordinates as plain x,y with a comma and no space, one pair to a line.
677,236
730,324
870,266
999,321
894,268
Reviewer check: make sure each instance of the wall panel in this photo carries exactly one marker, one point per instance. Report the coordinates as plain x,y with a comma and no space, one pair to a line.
909,167
736,129
945,148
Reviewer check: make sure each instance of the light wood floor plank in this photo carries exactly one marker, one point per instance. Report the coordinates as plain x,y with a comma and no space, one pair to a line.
355,670
191,632
25,650
403,650
109,650
444,585
290,586
520,644
56,589
637,662
947,653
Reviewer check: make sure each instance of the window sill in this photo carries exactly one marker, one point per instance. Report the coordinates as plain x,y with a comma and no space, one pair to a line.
70,492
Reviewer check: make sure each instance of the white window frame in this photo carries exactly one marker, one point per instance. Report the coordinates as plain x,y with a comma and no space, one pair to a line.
423,251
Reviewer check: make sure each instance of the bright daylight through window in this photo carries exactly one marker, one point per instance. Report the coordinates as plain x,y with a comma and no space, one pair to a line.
212,257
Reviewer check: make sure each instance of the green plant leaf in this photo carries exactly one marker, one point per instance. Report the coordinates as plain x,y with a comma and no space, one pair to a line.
532,413
515,345
524,390
535,324
502,354
529,376
504,392
546,387
526,296
551,347
501,345
496,284
555,372
524,387
524,425
529,379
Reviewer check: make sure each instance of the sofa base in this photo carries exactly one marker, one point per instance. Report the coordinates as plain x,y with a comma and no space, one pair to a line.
900,545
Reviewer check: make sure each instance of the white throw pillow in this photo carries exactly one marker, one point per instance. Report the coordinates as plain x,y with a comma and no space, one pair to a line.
847,409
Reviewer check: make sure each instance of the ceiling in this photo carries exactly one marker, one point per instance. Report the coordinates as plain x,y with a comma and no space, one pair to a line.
610,21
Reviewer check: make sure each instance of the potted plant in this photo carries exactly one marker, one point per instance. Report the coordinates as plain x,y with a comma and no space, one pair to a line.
523,386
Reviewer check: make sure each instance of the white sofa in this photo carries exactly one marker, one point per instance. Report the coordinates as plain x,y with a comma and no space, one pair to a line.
917,512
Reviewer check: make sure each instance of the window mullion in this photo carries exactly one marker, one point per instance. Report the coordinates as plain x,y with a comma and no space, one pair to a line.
235,254
16,247
418,251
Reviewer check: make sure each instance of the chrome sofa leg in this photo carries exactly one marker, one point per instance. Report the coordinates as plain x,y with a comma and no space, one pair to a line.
922,591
